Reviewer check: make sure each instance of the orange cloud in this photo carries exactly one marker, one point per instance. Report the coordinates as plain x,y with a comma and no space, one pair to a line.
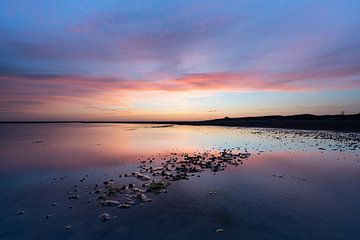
104,96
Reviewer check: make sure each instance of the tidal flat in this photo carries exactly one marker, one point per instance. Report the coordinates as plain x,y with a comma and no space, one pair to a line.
150,181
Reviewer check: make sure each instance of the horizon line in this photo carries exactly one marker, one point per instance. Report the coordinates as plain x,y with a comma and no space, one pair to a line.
176,121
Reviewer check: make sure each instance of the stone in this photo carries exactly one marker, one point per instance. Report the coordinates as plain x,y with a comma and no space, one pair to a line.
104,217
142,177
74,197
143,198
112,203
137,190
124,205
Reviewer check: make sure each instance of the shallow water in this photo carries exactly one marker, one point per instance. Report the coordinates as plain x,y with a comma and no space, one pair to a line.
295,184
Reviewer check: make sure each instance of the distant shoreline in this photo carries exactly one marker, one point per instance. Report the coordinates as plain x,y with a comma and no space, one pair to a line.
303,121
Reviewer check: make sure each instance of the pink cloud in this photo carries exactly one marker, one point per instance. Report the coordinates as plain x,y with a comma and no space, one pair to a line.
101,96
222,81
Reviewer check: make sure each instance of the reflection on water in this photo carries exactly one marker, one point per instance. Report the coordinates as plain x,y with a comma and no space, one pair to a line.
295,185
75,145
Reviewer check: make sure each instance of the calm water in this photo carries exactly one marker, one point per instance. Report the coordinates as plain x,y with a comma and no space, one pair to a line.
295,184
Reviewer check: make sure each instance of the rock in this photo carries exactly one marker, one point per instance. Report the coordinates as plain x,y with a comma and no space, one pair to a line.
158,169
104,217
219,230
141,176
21,212
137,190
143,198
173,169
112,203
47,216
124,205
68,227
74,197
54,204
158,186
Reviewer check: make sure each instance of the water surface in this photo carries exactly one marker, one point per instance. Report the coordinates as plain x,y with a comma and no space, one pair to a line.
295,184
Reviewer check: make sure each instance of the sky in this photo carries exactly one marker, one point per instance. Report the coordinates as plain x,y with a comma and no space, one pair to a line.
177,60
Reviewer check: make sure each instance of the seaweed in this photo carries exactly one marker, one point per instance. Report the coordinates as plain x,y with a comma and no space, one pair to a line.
157,187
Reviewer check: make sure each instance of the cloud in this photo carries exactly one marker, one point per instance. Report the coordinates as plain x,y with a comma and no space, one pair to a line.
101,56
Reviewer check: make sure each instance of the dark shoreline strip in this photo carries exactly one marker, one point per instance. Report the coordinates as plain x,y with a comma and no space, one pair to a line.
305,121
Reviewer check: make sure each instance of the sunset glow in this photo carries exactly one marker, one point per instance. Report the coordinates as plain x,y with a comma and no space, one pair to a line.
176,60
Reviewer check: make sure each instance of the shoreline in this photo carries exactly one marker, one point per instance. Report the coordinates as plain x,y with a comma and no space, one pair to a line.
346,123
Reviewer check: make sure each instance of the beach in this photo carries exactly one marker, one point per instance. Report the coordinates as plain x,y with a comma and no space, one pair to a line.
278,183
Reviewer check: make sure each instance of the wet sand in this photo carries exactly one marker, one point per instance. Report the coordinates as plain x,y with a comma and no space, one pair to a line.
68,181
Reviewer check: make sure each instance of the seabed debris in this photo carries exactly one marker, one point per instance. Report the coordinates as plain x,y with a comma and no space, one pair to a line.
156,176
157,179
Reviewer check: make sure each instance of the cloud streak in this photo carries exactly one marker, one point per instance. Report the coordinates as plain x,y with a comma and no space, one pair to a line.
101,56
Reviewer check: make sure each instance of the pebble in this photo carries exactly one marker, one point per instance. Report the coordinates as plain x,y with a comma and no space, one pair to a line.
112,203
143,198
142,177
104,216
124,205
74,197
173,169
